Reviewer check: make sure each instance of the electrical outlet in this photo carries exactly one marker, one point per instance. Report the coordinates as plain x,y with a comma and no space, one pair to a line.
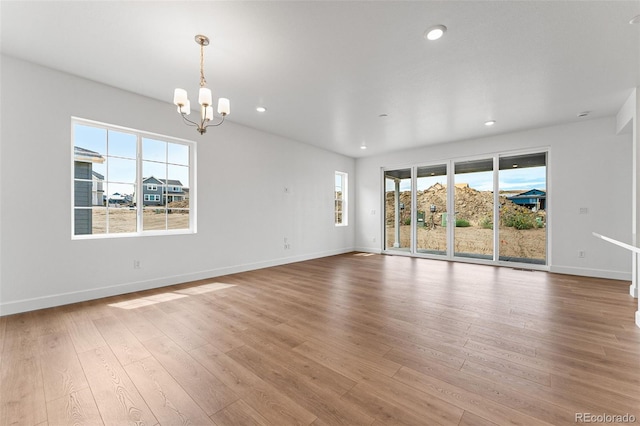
584,210
582,254
136,264
373,212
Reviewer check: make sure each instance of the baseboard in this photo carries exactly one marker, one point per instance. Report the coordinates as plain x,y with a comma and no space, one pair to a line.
638,318
50,301
595,273
368,250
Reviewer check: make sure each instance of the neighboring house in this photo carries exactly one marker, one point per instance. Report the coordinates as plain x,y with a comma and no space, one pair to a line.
116,199
97,189
532,198
84,195
158,192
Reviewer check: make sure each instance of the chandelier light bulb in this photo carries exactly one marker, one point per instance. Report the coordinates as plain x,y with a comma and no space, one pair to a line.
204,97
223,106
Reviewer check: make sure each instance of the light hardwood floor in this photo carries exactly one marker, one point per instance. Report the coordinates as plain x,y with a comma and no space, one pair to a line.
350,339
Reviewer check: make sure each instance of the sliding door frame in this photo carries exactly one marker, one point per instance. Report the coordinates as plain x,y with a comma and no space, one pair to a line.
450,233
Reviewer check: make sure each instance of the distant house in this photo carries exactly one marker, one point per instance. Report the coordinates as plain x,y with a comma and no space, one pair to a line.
97,189
87,187
534,198
117,199
158,192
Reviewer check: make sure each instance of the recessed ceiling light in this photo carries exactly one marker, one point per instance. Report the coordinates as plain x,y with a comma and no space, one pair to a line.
584,114
515,166
261,109
383,115
435,32
363,146
490,123
635,20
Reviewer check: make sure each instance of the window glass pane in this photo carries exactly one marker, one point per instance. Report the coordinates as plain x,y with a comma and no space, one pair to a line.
340,197
523,206
473,203
154,218
121,170
156,170
99,218
432,209
178,154
119,194
397,210
154,150
90,138
82,193
178,175
122,144
122,219
178,219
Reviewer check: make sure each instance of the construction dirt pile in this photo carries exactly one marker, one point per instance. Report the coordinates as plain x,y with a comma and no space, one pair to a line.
470,204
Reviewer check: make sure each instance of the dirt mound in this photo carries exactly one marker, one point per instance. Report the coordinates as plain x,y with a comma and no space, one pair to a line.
470,204
184,204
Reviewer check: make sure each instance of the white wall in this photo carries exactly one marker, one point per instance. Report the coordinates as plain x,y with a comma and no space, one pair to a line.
243,212
590,166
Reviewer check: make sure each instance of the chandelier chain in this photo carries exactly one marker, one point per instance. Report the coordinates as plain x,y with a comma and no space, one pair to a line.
203,81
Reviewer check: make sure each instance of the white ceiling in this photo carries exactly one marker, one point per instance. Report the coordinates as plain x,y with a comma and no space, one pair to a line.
327,70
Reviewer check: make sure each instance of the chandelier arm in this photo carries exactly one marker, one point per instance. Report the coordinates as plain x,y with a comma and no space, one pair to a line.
217,124
189,122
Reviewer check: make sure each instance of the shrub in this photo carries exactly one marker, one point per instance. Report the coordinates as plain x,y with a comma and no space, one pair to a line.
520,220
407,221
486,223
462,223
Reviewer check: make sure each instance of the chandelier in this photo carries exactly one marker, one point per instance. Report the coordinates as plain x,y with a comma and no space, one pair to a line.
181,100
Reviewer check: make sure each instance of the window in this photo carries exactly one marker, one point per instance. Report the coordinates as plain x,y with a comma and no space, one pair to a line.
110,163
340,199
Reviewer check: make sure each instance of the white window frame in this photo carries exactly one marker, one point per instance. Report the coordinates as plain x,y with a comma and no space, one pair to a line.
345,199
152,187
140,134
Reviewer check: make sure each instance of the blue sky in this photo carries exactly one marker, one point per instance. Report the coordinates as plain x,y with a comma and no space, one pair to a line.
160,159
510,180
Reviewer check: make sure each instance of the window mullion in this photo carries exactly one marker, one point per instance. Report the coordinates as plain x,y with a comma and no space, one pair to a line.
138,185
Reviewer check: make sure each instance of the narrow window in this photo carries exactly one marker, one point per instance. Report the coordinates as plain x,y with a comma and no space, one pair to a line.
340,199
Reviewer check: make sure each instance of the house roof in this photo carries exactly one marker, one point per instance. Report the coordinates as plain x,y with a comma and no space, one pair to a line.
86,155
532,193
171,182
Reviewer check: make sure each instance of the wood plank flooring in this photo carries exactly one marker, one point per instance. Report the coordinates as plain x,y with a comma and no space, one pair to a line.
344,340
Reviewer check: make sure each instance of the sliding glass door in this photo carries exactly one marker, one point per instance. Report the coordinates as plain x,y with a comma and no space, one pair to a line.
473,203
431,209
397,210
491,209
523,208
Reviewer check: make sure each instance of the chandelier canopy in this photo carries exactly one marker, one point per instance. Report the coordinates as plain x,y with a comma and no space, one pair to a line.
181,100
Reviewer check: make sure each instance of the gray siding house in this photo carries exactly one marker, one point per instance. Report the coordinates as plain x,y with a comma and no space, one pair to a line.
159,192
87,187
